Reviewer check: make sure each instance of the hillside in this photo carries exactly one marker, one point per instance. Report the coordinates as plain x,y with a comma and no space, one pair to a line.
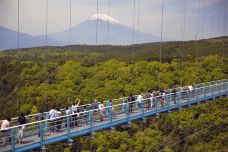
35,78
89,54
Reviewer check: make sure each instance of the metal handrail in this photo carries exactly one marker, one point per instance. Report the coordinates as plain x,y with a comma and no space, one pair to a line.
64,116
44,113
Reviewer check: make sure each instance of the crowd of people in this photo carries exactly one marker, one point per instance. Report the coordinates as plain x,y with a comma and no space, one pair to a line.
21,121
102,111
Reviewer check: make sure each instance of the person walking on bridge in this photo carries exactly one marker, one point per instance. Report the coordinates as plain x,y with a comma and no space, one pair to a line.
39,117
4,130
52,119
102,111
140,100
21,121
131,100
74,109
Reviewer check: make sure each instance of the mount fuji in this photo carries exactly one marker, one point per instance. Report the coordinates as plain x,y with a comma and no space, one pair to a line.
83,33
119,34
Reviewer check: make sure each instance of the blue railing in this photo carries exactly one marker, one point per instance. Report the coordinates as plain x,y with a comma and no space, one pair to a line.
37,135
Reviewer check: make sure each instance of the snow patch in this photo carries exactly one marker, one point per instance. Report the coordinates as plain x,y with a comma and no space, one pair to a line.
103,17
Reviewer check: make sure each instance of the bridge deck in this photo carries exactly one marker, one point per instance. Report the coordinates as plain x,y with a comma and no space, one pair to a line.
91,121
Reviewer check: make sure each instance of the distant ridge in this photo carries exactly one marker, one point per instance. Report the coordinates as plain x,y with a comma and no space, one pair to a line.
84,33
119,34
9,40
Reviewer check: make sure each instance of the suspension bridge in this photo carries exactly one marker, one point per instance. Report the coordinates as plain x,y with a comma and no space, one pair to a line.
37,134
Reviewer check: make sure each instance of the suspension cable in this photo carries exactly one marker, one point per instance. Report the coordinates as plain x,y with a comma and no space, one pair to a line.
97,26
46,43
133,33
195,133
46,34
198,29
160,52
108,29
138,28
203,19
18,24
224,33
133,39
18,44
70,26
183,39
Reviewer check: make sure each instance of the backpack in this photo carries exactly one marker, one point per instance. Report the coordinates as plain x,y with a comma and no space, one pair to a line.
39,117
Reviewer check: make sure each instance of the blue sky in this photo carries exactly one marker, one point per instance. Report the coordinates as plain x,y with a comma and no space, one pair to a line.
32,16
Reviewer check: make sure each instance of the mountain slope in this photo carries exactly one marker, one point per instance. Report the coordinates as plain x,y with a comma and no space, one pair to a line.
85,33
9,39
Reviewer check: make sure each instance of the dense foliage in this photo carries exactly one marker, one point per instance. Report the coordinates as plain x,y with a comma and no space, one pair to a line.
34,79
199,128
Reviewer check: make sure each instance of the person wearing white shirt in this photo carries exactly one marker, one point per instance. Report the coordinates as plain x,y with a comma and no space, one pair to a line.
101,108
190,88
5,132
52,117
152,100
57,118
139,99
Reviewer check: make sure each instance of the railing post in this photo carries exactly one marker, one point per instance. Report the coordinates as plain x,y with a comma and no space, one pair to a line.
194,89
41,134
188,98
110,115
197,94
226,90
91,123
123,104
217,89
219,84
225,87
128,114
204,92
168,101
211,89
136,104
12,139
156,106
142,108
68,128
178,99
46,123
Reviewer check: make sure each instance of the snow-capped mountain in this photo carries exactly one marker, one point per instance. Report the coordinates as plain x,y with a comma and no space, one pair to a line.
103,17
85,33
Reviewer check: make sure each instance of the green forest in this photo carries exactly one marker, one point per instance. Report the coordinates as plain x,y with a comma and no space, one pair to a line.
200,128
39,78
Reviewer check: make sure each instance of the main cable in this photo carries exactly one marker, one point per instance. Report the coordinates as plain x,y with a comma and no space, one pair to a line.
18,44
70,25
138,28
224,34
133,40
108,29
46,44
133,32
183,39
97,27
160,52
